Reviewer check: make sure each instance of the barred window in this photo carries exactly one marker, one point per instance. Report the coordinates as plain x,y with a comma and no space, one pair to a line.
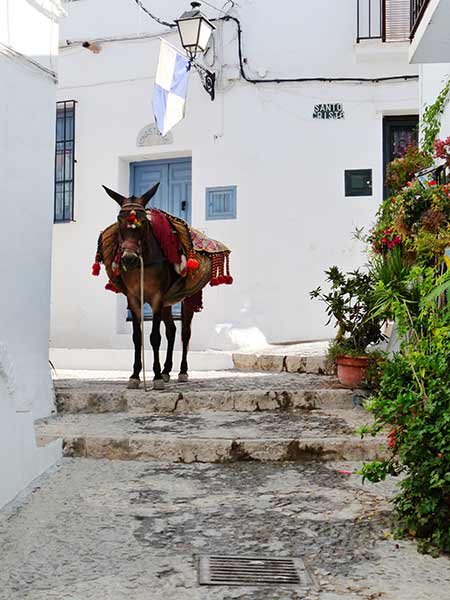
64,161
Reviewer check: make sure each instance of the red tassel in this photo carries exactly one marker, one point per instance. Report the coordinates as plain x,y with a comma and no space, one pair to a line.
214,281
221,280
111,288
96,269
192,264
228,279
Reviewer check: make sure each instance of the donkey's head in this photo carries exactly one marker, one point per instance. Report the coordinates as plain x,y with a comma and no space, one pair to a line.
133,225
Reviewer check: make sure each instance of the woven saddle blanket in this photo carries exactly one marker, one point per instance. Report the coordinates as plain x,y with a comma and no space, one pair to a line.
212,257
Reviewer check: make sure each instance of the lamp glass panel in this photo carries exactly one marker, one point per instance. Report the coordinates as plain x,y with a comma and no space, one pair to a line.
189,31
205,34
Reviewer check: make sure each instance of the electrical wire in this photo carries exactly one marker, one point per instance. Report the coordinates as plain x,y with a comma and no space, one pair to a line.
152,16
253,80
27,61
307,79
215,7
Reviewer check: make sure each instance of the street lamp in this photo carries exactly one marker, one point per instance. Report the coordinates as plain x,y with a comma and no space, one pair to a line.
195,30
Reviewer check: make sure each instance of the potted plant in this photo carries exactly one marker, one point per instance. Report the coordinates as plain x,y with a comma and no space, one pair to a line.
350,303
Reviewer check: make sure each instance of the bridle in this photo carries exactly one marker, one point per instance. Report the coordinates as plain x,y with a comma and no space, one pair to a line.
135,217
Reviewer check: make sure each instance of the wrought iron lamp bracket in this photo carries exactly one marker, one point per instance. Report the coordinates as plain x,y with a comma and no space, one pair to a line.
208,78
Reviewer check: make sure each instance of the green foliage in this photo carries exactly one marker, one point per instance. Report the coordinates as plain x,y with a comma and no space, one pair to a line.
414,402
350,304
402,170
431,119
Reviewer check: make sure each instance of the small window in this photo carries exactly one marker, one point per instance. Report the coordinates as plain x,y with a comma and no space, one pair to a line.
358,182
64,161
221,203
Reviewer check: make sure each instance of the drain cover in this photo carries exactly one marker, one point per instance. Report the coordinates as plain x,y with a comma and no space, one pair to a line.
253,570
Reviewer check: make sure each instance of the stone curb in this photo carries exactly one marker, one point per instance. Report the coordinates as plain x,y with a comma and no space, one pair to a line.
314,365
75,401
206,450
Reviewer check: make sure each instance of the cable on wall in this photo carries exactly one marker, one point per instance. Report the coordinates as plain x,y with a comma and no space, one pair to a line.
243,61
244,75
152,16
27,61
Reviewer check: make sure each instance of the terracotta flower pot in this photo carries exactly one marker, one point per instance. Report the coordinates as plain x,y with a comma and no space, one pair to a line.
351,370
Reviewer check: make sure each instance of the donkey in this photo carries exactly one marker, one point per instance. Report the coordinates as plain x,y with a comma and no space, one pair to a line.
136,242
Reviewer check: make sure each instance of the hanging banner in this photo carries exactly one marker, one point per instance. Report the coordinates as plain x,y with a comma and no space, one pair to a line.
171,83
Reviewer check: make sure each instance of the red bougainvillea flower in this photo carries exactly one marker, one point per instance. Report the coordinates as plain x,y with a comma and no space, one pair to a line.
409,184
432,182
392,439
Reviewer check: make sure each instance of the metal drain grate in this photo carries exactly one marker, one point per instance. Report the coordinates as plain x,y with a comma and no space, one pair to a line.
253,570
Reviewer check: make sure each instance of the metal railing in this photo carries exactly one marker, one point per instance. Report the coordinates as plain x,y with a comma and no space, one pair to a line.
385,20
418,7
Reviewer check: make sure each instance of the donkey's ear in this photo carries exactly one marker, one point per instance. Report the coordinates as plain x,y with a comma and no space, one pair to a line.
114,195
149,195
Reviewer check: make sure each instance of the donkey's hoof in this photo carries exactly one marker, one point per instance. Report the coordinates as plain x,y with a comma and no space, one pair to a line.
158,384
133,384
183,377
166,377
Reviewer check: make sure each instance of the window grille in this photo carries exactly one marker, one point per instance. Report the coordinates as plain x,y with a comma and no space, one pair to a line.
64,161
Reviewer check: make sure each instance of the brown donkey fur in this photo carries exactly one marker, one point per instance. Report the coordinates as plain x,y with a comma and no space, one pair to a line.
159,277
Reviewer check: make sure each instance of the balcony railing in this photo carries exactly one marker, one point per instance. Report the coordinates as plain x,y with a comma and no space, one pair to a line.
385,20
418,7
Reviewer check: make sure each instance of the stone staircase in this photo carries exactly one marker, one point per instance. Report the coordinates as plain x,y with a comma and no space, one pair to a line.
217,417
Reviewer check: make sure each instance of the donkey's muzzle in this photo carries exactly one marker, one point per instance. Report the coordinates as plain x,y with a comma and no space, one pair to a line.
130,260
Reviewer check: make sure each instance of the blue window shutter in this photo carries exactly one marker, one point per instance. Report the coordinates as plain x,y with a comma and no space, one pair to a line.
221,203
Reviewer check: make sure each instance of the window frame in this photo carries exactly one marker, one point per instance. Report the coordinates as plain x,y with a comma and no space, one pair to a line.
223,216
65,106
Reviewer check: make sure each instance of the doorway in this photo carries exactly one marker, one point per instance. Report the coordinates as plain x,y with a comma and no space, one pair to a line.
398,133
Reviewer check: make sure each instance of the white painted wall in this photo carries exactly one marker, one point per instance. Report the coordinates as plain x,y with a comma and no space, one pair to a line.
27,117
432,80
293,219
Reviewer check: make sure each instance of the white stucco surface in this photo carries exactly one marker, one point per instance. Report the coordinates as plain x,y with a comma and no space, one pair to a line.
27,123
293,219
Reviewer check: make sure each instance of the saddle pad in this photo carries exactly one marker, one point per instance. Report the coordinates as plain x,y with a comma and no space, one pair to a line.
201,243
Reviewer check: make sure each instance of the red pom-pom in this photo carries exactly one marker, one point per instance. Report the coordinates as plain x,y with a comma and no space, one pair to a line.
111,288
214,281
228,280
221,280
96,269
192,264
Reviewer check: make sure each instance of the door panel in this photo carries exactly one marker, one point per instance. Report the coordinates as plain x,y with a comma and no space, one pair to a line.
173,195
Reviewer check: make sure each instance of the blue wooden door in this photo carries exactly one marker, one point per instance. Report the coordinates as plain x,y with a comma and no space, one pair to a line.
173,195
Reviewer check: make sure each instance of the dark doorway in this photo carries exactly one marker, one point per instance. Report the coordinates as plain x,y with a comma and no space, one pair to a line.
398,133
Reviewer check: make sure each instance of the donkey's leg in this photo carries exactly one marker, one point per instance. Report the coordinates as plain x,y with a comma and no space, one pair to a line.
135,381
155,340
186,317
171,331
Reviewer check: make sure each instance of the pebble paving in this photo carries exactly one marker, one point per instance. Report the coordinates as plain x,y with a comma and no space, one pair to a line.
113,530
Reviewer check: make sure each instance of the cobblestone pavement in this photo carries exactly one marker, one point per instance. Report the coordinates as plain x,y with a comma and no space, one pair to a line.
112,530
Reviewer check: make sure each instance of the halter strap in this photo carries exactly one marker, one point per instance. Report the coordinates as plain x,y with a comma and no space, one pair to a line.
132,206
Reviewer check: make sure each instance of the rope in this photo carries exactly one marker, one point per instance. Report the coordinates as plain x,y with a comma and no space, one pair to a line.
142,324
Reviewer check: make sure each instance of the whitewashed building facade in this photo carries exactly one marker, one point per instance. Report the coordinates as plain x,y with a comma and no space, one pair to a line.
28,50
430,50
295,186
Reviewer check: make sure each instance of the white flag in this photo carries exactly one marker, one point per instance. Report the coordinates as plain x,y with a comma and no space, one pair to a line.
171,82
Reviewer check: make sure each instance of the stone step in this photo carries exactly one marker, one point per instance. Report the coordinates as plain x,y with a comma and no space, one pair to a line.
216,391
278,363
215,437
